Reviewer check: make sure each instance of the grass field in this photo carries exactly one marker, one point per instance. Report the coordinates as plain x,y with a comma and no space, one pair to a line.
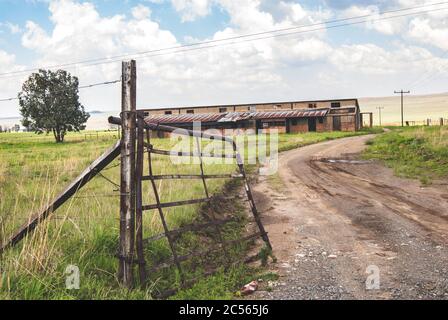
84,232
419,152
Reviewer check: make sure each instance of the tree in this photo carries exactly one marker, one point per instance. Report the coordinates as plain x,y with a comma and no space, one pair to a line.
49,102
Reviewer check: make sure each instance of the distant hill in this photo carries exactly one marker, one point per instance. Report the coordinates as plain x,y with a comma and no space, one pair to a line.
416,107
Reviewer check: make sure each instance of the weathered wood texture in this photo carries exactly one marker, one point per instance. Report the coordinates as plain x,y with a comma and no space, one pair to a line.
127,187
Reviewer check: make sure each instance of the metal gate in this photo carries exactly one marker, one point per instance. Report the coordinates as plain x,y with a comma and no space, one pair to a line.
146,267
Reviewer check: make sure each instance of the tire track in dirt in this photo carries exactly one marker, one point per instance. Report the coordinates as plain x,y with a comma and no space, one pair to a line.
329,220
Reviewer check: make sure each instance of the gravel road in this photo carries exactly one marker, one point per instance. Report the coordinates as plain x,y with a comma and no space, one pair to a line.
332,219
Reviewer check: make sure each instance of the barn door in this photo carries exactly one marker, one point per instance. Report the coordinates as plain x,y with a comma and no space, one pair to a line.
312,124
336,123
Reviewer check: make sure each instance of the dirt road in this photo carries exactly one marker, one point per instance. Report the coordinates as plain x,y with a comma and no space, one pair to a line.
330,217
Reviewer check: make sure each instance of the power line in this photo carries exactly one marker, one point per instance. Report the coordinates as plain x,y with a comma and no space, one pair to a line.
427,75
431,76
271,36
105,60
80,87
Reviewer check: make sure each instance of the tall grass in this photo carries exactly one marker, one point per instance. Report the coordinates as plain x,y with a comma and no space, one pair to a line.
418,152
84,231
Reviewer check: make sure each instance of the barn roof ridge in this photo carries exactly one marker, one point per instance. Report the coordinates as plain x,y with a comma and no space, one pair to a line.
236,116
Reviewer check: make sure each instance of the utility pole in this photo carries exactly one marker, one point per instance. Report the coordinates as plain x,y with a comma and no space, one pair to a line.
379,111
402,109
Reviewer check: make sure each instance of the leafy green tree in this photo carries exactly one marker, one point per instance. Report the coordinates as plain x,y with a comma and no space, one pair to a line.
49,102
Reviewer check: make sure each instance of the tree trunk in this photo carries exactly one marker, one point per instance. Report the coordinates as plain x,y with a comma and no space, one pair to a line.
57,135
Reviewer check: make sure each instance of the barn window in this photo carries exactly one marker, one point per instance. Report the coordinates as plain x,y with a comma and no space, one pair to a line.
168,112
222,110
294,122
252,108
335,104
321,120
191,111
312,105
273,124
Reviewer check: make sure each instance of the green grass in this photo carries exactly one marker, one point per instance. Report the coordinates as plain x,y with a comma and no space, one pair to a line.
414,152
84,231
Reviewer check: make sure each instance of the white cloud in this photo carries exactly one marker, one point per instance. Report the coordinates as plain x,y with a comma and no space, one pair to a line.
196,76
191,9
430,30
9,86
6,61
388,27
13,28
141,12
371,59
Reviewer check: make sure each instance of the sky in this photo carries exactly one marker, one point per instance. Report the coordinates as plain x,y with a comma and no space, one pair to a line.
373,57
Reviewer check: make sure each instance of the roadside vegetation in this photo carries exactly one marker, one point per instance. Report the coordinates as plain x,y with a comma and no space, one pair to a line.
414,152
84,232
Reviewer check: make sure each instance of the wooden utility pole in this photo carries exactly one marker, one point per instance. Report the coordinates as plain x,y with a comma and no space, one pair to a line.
379,111
402,107
127,186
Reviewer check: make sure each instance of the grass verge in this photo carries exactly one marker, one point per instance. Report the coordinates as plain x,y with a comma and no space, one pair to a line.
414,152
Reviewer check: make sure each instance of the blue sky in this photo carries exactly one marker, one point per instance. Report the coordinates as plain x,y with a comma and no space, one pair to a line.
373,58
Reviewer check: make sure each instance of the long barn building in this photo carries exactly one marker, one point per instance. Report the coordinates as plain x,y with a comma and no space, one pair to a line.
286,117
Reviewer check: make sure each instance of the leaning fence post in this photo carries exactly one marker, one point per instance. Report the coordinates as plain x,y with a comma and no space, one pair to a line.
127,186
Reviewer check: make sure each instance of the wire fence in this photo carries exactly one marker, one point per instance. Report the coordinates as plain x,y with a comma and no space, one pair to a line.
427,122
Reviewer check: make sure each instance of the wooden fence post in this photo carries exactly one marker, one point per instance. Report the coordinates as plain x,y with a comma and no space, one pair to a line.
127,186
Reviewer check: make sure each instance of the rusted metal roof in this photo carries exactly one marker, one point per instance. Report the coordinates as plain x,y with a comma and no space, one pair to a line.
185,118
291,114
236,116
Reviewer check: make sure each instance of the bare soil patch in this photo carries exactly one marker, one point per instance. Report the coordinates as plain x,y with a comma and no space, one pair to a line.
330,216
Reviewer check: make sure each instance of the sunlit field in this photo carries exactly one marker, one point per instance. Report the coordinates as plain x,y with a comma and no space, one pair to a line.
84,231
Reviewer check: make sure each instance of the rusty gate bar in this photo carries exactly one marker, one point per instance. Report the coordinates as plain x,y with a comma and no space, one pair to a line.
159,209
169,262
192,176
201,165
190,154
174,204
204,182
139,202
190,227
192,133
250,197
